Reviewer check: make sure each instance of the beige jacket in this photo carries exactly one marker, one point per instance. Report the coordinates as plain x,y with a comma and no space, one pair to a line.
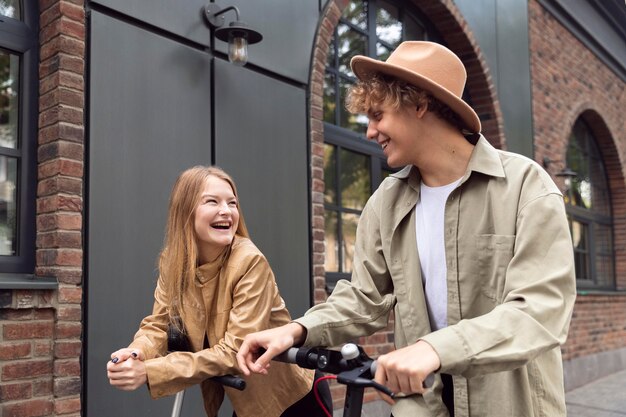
225,304
511,287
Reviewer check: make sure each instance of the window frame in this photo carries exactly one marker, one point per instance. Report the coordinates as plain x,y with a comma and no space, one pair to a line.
21,37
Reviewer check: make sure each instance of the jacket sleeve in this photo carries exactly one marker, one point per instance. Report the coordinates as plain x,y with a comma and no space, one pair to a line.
539,294
361,306
254,295
152,334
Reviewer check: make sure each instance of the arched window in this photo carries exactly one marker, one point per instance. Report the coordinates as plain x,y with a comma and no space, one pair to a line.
588,203
353,166
18,134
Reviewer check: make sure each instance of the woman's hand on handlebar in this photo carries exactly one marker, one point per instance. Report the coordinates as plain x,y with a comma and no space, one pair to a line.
258,349
405,370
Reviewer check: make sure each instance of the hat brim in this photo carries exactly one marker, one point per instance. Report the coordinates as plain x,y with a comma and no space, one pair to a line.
365,67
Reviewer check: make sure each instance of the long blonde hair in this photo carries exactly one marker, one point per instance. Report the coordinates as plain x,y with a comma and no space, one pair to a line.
179,257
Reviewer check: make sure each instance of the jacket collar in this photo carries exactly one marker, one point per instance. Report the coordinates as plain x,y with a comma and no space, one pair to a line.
484,159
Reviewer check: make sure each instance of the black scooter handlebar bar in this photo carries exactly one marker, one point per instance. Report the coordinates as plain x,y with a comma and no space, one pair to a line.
331,361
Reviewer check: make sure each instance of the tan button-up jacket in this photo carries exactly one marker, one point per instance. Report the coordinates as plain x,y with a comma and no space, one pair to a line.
225,304
510,278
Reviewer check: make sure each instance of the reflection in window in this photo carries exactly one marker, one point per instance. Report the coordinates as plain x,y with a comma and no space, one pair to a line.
9,113
354,180
10,8
9,82
388,25
347,188
588,205
349,222
8,206
350,42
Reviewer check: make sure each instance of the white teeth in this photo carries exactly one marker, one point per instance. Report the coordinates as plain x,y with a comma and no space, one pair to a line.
221,225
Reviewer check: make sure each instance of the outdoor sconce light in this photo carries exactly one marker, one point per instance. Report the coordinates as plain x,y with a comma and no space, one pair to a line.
237,34
566,172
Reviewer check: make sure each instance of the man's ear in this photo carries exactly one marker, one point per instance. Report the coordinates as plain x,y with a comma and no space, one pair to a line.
421,110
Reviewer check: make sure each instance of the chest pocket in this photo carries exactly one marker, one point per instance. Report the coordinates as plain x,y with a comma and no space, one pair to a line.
494,253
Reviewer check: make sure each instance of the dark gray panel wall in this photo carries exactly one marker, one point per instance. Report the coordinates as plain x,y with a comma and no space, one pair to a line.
261,139
501,29
288,28
182,18
149,118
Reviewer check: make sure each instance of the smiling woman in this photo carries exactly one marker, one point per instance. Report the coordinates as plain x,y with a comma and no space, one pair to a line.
215,286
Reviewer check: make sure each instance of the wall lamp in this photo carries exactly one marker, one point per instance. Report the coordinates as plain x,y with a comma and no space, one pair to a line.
237,34
566,172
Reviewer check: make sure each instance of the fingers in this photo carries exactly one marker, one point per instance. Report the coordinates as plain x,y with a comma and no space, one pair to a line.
262,364
381,378
128,375
242,358
399,375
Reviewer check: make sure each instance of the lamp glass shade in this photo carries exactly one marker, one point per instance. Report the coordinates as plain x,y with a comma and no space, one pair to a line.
238,50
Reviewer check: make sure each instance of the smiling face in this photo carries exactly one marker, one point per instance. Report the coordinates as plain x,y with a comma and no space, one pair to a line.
395,130
216,218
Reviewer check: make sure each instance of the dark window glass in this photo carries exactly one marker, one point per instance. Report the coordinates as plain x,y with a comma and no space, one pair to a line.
588,203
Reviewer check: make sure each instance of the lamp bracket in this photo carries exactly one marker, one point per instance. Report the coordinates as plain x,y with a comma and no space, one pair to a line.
214,14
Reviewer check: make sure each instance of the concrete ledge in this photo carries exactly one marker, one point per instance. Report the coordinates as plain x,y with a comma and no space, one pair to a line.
583,370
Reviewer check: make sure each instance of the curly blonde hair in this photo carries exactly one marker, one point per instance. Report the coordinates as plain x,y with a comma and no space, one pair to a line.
391,91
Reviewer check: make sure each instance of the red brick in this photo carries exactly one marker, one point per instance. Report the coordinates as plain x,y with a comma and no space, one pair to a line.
60,257
31,408
19,391
25,331
59,202
42,387
69,349
61,166
70,367
70,312
26,369
64,221
60,239
65,387
10,351
67,405
71,295
43,348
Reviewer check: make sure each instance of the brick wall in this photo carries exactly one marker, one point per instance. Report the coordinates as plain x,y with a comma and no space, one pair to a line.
448,20
569,81
40,331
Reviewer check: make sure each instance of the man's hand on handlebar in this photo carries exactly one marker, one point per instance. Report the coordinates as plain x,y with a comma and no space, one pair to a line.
405,370
258,349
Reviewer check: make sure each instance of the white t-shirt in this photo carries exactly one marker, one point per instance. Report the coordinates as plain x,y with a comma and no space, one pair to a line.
429,227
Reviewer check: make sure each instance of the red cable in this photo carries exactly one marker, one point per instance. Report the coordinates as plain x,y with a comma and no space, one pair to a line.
317,395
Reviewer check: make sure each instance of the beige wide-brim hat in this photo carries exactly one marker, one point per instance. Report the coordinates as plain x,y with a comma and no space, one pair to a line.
429,66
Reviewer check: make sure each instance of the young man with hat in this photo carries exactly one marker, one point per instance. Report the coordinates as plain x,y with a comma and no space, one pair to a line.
468,245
